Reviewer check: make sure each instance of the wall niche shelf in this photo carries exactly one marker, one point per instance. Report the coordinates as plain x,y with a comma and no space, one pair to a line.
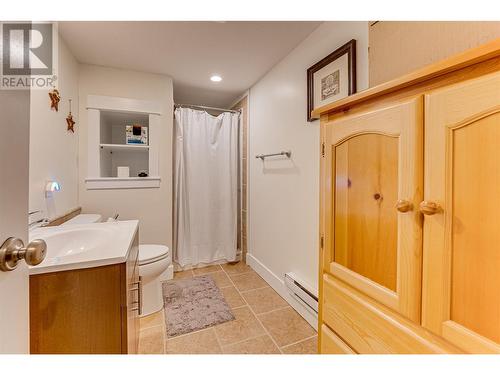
135,148
103,183
108,118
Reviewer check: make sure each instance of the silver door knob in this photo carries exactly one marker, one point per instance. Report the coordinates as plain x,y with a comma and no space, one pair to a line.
13,250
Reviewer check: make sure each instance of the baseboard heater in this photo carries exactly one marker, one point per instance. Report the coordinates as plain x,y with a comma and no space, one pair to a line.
297,289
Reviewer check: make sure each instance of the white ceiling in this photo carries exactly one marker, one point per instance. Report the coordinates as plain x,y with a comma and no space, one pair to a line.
189,52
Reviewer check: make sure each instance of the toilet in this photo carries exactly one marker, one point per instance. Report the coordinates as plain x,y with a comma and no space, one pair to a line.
155,266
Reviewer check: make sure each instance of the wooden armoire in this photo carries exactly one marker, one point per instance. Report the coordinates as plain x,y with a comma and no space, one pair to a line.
410,212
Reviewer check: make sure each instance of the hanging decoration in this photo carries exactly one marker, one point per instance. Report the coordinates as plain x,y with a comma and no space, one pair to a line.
55,98
69,119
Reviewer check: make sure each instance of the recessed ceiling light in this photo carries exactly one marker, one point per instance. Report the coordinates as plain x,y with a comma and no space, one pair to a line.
216,78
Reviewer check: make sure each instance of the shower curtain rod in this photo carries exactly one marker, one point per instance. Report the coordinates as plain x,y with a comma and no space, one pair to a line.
205,107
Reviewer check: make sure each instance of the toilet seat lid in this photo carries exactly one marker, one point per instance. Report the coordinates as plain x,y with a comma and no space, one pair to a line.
152,253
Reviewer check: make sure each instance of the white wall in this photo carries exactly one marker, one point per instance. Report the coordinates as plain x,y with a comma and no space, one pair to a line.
284,194
54,150
153,207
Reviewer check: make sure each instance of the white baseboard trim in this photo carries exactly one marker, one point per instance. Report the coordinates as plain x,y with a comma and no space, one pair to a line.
278,284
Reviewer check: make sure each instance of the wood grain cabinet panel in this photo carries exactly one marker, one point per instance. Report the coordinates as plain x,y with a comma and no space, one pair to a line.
462,242
332,344
373,160
76,312
86,311
371,328
366,223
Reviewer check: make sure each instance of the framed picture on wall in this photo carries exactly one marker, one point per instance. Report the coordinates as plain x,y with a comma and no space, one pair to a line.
332,78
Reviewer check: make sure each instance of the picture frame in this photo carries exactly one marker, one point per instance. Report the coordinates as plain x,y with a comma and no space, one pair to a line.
332,78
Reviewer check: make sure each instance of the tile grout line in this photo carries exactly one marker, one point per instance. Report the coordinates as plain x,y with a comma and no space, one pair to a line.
144,331
247,339
207,273
189,333
240,273
265,329
277,309
217,339
148,328
255,315
164,332
270,311
192,275
252,337
259,288
233,285
293,343
215,331
162,323
298,342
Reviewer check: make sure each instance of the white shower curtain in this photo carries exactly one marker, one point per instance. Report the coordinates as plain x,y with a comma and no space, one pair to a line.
205,187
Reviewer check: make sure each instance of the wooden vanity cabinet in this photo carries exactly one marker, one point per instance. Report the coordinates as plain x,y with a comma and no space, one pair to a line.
410,210
87,311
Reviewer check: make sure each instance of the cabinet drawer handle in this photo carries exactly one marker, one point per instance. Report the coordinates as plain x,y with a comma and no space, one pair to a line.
403,205
139,296
135,283
429,208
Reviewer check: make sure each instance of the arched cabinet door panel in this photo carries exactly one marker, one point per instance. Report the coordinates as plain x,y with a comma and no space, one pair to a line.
461,274
372,186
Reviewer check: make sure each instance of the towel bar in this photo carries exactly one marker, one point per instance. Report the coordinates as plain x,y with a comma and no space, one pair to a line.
288,154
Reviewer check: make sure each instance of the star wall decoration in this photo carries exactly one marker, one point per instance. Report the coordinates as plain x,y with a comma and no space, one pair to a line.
69,120
55,97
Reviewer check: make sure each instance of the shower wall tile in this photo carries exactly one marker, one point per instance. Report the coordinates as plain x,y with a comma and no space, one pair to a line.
242,241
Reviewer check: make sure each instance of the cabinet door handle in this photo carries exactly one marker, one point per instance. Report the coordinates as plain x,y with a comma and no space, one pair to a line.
403,205
429,208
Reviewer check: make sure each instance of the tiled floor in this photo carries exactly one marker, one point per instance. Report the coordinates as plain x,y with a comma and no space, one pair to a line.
265,323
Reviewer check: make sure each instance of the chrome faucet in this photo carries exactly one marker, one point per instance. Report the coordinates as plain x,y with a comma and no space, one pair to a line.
37,223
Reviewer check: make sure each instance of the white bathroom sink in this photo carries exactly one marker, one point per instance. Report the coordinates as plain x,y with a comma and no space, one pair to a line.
85,245
75,241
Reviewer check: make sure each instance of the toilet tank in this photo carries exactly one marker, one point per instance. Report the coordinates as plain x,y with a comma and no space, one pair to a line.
84,219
